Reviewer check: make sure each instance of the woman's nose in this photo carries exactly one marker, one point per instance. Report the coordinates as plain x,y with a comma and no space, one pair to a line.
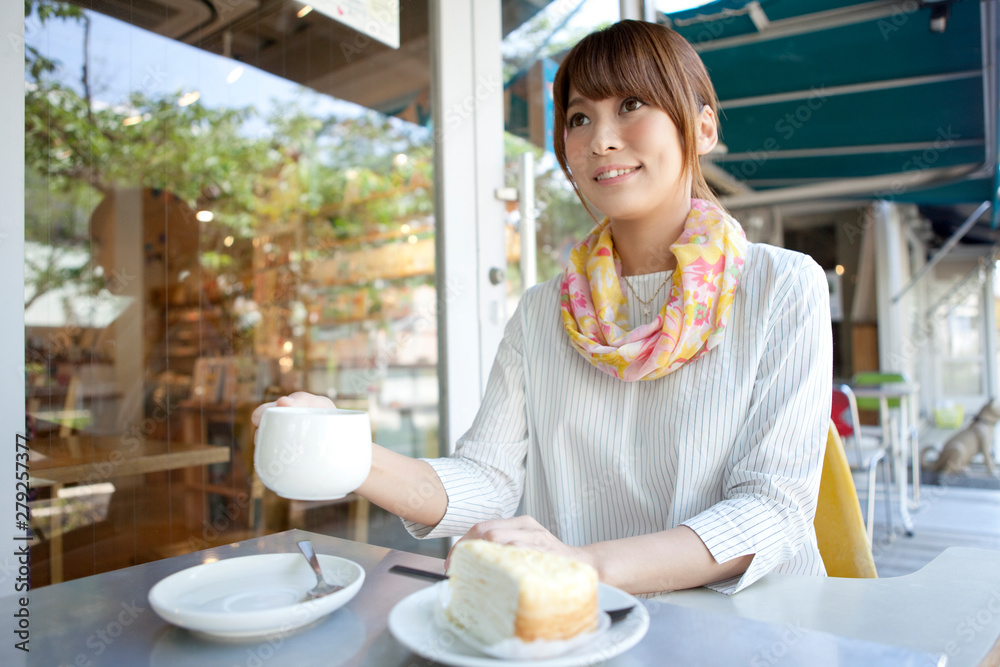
604,139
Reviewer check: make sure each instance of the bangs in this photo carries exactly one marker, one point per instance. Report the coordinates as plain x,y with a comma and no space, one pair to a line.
616,63
599,73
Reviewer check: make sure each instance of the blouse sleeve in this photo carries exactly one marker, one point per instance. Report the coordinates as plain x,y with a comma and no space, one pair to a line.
484,478
773,482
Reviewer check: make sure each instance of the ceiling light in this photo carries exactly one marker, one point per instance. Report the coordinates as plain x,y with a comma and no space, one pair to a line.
305,10
235,74
205,216
188,98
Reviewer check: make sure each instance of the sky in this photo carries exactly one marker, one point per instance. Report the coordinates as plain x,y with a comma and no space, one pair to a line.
126,60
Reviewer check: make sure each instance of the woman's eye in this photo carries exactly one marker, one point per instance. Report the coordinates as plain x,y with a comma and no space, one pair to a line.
632,103
578,119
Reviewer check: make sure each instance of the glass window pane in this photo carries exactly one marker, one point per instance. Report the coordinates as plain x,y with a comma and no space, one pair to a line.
955,297
964,325
221,208
530,48
961,378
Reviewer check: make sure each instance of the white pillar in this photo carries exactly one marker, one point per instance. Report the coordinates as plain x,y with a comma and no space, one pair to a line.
643,10
467,86
990,345
526,203
11,296
888,282
990,340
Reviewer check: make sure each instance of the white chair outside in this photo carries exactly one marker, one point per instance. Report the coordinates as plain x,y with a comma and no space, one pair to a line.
864,453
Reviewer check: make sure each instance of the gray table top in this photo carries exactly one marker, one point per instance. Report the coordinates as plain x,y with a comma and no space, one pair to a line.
106,619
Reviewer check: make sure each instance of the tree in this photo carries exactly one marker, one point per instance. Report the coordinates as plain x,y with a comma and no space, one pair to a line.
337,168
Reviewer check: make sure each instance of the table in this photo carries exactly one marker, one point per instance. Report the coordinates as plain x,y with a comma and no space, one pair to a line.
903,391
93,459
85,459
106,620
950,606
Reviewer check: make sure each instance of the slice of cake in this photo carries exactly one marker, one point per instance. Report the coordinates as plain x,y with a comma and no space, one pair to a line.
501,592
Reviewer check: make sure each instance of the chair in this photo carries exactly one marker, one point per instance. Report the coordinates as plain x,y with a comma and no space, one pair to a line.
869,378
866,454
840,531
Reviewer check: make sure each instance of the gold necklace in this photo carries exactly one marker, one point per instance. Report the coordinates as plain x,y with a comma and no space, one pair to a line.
645,304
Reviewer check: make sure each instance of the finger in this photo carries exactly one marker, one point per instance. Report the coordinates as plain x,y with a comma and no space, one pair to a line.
524,522
259,412
474,533
447,559
498,530
304,399
481,529
514,536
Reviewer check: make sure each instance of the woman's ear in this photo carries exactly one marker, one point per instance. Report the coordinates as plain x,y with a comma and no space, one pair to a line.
707,130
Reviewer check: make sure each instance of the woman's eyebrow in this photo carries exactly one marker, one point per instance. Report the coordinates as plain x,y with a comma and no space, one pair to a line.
576,100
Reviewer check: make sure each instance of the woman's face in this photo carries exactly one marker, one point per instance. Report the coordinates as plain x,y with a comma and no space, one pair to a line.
626,158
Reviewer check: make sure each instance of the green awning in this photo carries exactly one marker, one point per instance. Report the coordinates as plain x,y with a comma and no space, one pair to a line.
847,98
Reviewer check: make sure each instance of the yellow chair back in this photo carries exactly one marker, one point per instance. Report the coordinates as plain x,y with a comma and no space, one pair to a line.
840,528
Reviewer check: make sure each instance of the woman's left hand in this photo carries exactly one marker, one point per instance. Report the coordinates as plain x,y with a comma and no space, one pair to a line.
522,531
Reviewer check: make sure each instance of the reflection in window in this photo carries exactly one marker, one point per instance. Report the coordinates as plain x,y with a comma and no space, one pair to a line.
531,51
215,216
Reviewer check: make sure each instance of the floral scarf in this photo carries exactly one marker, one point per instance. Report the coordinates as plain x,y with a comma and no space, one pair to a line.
709,252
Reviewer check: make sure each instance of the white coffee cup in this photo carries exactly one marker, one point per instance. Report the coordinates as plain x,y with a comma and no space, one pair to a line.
313,453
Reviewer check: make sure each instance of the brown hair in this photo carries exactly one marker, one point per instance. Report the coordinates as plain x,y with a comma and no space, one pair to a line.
648,61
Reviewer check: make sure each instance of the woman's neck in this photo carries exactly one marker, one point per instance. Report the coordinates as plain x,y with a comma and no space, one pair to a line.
643,246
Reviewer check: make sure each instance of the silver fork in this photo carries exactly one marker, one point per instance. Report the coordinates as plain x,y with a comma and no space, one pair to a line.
322,587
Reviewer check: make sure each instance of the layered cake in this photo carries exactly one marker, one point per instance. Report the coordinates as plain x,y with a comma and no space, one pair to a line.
501,592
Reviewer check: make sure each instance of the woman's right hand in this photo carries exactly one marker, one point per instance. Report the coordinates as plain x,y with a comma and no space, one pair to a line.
299,399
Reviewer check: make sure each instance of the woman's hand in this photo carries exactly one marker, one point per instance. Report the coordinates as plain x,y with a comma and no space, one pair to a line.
523,531
299,399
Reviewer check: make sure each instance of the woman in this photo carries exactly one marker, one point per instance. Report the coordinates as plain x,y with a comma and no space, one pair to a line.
660,410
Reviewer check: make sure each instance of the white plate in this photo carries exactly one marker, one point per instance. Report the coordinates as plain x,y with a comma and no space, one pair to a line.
253,596
412,623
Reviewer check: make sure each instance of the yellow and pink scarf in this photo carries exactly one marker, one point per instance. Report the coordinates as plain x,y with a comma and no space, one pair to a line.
710,253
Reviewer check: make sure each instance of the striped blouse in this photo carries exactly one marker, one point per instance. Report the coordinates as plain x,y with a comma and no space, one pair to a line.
730,445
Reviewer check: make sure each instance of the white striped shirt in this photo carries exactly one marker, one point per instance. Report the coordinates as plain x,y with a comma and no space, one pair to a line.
730,445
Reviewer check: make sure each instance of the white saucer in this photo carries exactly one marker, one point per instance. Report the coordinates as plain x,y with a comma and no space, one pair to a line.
412,622
253,596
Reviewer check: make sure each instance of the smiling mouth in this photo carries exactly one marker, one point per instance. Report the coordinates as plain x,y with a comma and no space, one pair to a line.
612,173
